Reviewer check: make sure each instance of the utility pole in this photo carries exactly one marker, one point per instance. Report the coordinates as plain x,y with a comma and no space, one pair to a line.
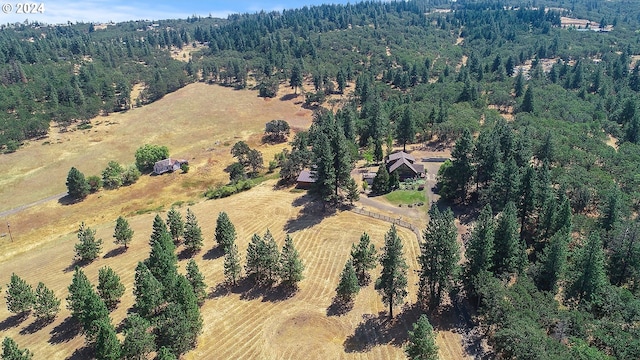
9,227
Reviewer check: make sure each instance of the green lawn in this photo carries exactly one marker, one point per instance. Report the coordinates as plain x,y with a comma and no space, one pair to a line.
405,197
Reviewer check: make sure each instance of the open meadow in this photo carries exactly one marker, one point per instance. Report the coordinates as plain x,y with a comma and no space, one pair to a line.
199,123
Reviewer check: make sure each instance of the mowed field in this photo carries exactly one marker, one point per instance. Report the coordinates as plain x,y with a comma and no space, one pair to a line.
242,322
199,123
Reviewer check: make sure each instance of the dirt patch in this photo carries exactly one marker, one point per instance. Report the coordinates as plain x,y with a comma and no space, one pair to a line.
612,141
186,52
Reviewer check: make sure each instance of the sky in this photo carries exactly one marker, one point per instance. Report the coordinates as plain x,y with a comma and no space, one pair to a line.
62,11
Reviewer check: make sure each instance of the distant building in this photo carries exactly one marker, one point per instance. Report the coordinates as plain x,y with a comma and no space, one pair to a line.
168,165
368,177
404,164
305,179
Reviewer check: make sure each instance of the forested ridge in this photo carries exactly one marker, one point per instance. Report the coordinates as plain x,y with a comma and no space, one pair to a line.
545,121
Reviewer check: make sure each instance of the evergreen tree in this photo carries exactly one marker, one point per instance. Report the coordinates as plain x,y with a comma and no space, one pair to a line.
454,179
162,261
295,81
348,286
588,277
109,287
422,342
20,296
394,181
192,233
93,310
107,345
324,175
353,194
255,264
176,225
11,351
510,255
381,181
148,291
553,262
480,250
363,257
77,185
611,212
291,267
138,341
270,257
78,290
528,104
196,279
519,85
159,227
439,256
232,267
225,231
624,255
528,197
406,129
392,283
47,305
87,248
122,233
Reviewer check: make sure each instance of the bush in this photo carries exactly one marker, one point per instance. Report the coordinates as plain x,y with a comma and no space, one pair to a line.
95,183
185,168
131,175
148,155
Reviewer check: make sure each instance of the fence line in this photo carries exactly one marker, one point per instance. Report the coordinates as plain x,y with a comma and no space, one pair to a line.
398,222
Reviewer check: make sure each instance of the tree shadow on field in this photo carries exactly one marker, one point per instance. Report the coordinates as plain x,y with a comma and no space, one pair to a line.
65,331
338,307
12,321
279,293
85,352
67,200
379,330
186,254
311,214
115,252
35,326
215,252
288,97
220,290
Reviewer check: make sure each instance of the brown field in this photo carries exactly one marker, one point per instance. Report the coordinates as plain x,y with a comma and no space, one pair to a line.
245,323
200,123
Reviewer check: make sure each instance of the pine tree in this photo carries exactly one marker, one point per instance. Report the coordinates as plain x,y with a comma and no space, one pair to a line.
353,194
232,267
176,225
192,233
510,256
392,283
270,257
20,296
122,233
180,323
527,198
78,290
159,227
88,248
93,311
324,175
255,254
77,185
439,256
519,85
406,130
348,286
138,341
109,287
624,255
196,279
363,257
480,251
148,291
588,277
162,261
422,342
47,304
381,181
528,101
107,345
225,231
291,267
553,262
11,351
295,81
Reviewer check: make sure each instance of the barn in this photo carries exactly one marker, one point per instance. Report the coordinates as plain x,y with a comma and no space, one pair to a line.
305,180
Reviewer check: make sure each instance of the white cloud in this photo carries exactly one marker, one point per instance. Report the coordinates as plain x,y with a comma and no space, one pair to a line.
61,11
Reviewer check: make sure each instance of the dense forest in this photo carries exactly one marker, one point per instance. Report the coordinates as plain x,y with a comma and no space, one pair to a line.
544,117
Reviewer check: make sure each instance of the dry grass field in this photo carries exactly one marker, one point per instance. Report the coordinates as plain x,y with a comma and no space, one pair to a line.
200,123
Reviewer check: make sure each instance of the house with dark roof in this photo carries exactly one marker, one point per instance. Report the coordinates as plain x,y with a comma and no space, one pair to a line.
404,164
305,180
168,165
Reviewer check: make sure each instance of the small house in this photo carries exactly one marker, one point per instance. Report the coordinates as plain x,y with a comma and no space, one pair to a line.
404,164
305,180
168,165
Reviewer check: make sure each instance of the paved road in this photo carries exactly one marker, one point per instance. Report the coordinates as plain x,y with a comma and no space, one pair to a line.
39,202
